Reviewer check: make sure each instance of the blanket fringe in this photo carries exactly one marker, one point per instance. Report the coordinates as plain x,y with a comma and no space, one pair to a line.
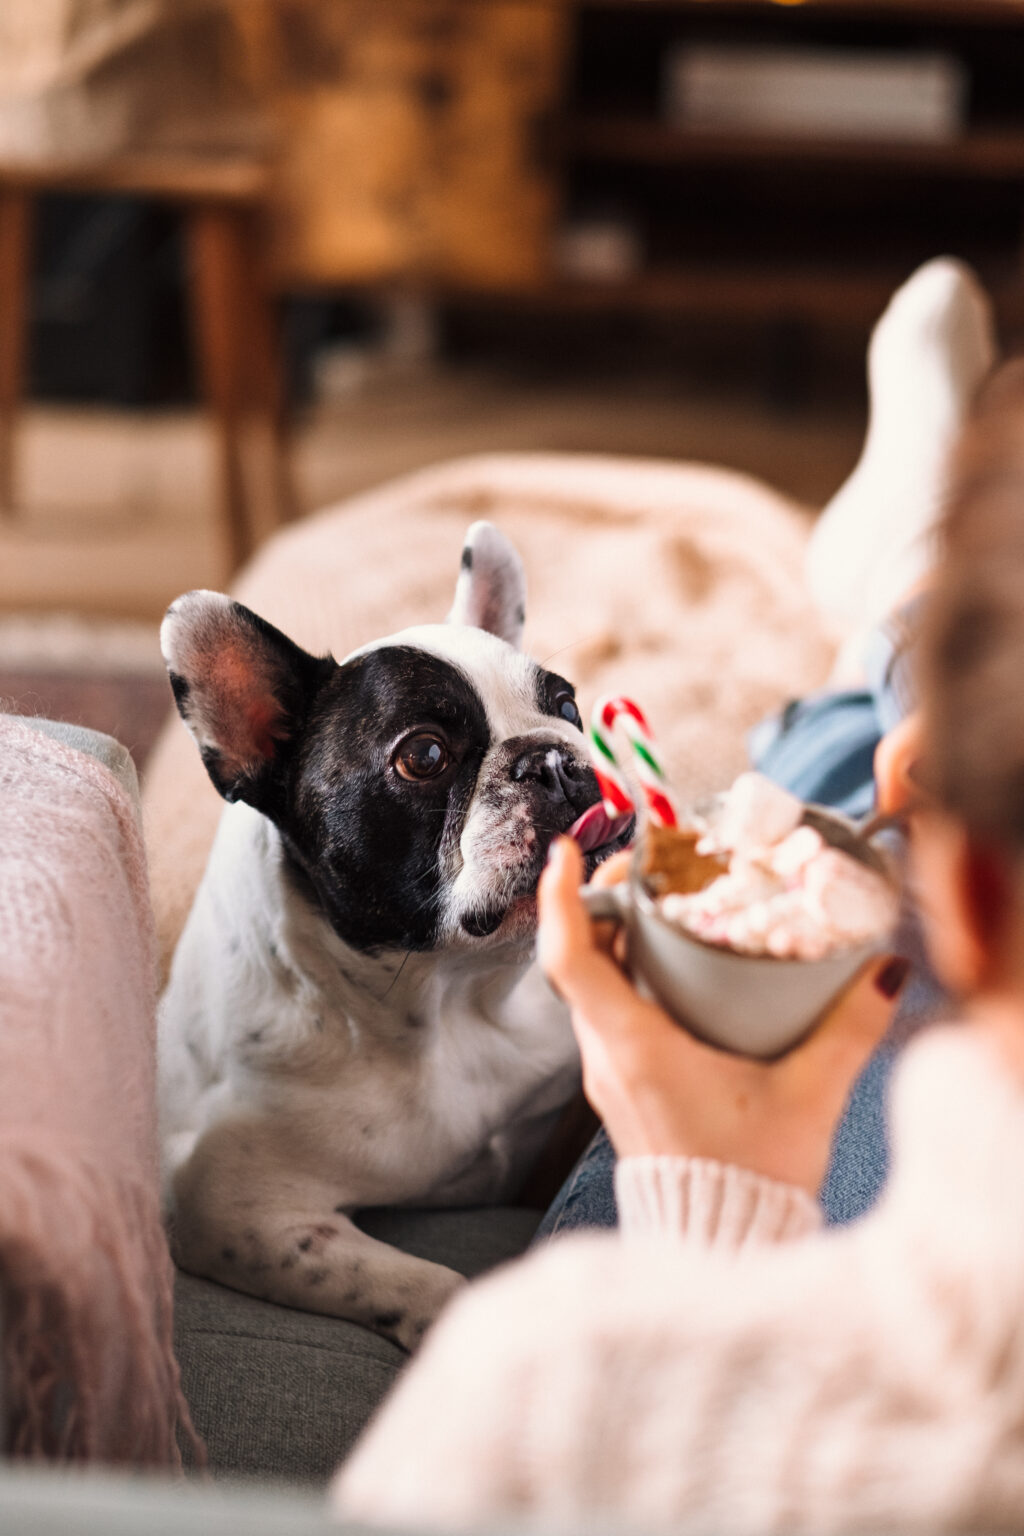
87,1306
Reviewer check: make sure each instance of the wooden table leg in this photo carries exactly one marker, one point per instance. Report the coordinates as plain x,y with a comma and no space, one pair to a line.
217,310
239,364
268,394
15,244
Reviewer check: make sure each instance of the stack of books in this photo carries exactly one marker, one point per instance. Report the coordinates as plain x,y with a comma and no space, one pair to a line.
828,93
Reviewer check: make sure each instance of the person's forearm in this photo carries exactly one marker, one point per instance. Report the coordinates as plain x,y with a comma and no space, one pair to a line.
709,1203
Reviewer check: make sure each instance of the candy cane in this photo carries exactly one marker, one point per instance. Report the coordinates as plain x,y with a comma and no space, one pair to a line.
614,791
608,713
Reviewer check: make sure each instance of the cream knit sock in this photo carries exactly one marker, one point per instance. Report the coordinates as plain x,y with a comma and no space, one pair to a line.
876,538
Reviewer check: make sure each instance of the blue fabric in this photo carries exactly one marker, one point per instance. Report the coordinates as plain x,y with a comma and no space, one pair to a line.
822,749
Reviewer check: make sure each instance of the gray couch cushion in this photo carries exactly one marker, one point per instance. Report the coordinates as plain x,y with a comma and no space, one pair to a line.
284,1394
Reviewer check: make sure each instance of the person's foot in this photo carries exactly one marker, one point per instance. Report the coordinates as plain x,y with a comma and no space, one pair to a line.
875,541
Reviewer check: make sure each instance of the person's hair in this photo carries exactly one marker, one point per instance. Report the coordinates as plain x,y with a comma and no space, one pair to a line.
972,655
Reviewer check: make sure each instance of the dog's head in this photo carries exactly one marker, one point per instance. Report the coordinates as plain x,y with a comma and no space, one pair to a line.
417,784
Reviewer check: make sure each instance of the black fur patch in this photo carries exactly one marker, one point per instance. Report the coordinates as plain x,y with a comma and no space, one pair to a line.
480,925
363,842
384,1320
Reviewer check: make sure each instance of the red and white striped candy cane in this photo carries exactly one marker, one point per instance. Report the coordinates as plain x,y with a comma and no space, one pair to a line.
608,713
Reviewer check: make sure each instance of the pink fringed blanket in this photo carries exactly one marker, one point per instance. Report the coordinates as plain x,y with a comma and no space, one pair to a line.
85,1278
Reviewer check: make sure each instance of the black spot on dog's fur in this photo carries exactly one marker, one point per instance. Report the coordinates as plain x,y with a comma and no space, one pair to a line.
388,1319
180,688
228,1255
316,1277
467,559
480,924
304,1244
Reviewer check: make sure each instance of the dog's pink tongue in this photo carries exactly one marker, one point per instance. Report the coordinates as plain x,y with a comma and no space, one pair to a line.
593,829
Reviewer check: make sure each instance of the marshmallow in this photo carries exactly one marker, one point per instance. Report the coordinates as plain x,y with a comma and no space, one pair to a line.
786,892
754,813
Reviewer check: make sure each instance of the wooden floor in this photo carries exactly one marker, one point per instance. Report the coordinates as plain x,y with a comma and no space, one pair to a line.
116,512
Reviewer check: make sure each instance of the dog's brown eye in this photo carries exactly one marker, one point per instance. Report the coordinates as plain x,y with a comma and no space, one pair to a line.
567,707
422,756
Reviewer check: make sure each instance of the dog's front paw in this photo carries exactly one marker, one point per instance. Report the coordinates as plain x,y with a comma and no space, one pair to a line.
406,1325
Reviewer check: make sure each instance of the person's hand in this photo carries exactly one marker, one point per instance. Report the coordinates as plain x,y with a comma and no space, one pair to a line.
659,1090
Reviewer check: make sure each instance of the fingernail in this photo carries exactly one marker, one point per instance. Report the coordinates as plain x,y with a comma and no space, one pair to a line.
891,977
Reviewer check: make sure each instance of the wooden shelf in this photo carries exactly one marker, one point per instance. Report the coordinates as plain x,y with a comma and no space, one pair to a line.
973,12
994,154
747,292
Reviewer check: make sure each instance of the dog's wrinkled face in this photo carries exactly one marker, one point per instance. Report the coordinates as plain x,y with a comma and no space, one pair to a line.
418,784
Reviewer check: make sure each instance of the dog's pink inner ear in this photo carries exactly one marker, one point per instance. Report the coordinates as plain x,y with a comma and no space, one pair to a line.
265,725
248,717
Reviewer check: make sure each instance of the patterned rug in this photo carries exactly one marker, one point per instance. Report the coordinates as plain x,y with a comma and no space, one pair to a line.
107,675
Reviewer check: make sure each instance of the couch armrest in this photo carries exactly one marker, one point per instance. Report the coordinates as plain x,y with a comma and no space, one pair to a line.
104,748
86,1270
119,761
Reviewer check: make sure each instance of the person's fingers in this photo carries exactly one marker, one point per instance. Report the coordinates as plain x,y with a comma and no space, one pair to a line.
827,1064
565,932
585,977
614,870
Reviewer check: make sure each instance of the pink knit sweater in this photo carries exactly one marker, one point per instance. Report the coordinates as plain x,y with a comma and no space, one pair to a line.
722,1365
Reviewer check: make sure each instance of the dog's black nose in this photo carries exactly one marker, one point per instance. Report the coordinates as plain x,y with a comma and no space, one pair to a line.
547,764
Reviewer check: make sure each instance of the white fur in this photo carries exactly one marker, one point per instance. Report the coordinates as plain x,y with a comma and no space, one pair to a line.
298,1076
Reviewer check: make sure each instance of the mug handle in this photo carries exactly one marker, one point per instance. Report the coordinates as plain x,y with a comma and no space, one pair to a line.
608,903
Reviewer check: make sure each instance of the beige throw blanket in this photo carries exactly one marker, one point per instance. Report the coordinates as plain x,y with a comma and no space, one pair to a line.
85,1276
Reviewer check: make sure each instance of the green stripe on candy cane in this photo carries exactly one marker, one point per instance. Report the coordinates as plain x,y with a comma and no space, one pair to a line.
615,793
619,711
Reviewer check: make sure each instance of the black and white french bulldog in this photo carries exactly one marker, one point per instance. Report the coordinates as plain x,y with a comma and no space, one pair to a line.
354,1017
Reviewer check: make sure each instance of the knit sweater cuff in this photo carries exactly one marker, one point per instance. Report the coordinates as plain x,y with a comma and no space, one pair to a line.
713,1204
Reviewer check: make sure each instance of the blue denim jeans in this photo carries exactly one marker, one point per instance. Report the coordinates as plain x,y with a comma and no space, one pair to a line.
822,749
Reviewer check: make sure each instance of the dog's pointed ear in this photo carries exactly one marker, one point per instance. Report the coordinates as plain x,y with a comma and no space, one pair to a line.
242,688
491,589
